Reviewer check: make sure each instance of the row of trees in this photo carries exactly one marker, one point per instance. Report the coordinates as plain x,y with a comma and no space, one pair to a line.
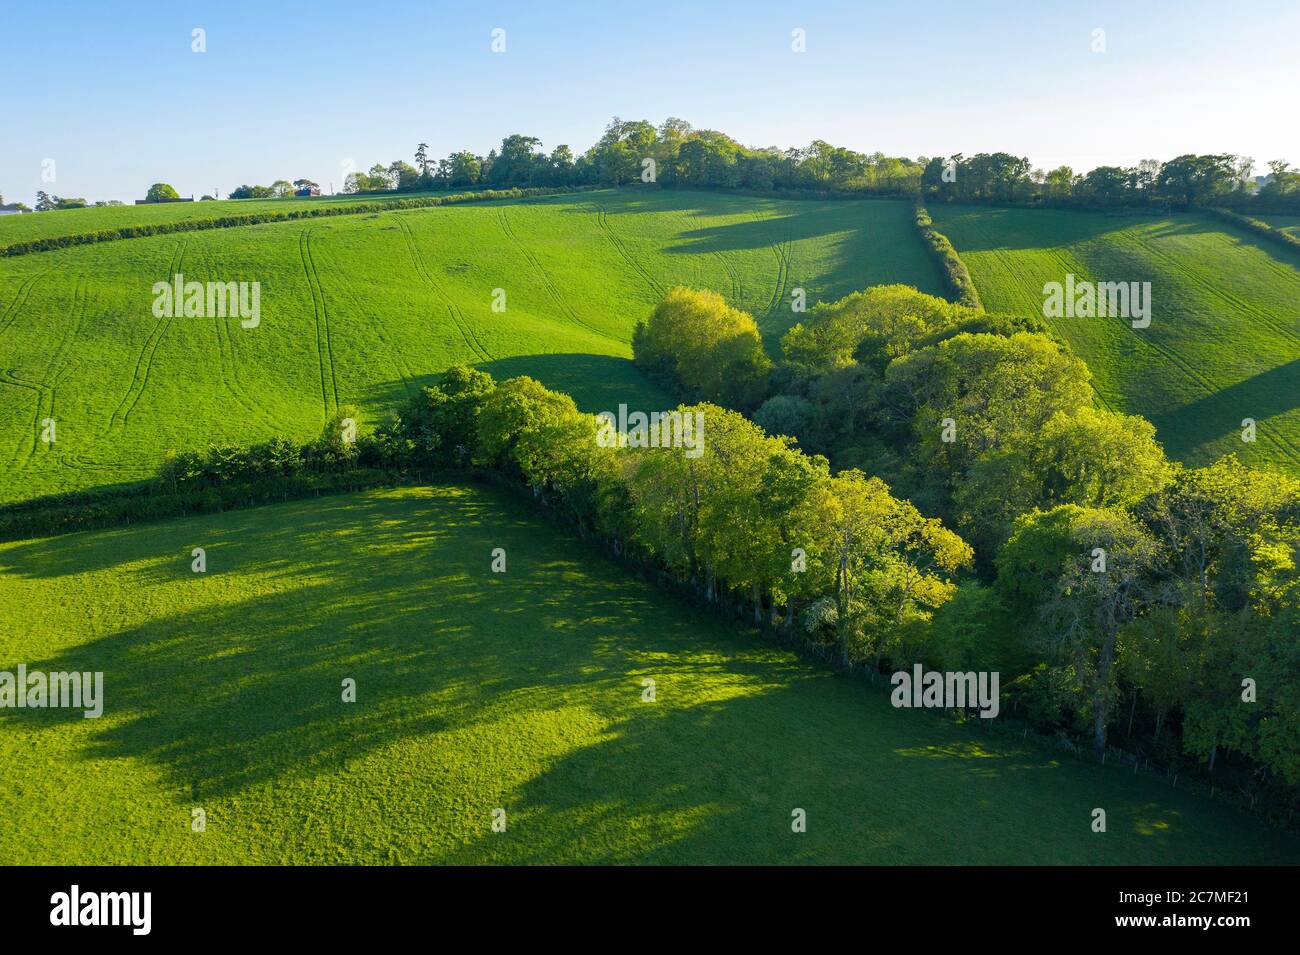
672,154
676,154
1102,573
751,520
1185,181
280,189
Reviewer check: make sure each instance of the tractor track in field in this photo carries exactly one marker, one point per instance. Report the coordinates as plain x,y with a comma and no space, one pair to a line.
45,390
547,282
324,341
737,284
400,364
781,250
458,318
602,222
144,361
1198,280
11,313
229,361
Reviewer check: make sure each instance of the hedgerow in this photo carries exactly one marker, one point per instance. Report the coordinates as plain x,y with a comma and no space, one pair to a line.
955,274
259,218
1256,226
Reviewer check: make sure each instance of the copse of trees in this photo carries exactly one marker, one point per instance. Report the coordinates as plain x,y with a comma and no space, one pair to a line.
636,151
1115,591
703,348
47,203
1112,588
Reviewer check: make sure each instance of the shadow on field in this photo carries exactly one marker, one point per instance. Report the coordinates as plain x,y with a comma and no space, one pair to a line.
595,382
544,666
1220,414
807,223
990,228
396,595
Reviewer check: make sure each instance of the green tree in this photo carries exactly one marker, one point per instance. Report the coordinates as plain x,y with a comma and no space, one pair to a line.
160,192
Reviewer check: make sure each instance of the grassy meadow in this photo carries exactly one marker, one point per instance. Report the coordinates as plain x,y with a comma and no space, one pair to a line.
363,310
478,691
1224,339
60,222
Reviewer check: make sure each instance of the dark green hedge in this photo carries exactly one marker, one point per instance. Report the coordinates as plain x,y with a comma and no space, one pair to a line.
960,286
1256,226
91,510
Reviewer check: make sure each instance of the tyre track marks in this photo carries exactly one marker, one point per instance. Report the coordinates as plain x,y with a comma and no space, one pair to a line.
463,324
61,369
144,361
549,283
324,345
11,313
602,221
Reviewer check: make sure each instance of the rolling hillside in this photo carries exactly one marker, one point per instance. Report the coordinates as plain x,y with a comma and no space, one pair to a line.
364,309
59,222
1224,339
477,691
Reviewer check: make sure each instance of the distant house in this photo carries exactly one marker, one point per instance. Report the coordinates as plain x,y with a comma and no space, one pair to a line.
307,192
9,211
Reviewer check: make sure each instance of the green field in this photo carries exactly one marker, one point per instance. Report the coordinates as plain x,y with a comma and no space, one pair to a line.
478,691
1224,339
58,222
364,309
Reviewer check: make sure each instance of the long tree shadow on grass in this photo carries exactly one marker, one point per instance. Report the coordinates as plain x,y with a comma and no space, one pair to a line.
399,598
1261,397
595,382
393,589
718,781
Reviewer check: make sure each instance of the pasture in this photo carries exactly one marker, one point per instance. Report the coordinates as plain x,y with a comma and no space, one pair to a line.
365,309
1224,340
477,691
60,222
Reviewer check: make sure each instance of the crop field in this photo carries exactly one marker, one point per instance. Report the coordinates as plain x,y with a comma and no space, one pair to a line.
477,691
59,222
363,310
1224,340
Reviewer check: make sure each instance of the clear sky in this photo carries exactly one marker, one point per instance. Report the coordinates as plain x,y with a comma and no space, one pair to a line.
112,92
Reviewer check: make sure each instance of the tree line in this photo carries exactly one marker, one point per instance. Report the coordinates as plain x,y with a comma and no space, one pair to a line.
675,154
671,154
1183,182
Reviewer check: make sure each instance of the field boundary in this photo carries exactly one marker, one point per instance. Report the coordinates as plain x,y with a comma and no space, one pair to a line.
1257,226
261,218
956,276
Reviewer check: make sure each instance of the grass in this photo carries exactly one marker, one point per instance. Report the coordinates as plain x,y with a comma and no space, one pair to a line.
477,691
59,222
1224,339
363,310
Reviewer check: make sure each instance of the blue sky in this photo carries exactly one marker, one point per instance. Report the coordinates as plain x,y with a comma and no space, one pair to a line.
114,95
